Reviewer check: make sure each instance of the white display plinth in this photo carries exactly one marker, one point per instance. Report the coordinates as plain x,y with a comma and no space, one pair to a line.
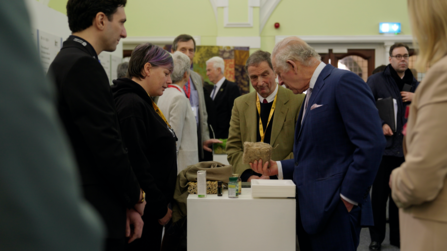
245,223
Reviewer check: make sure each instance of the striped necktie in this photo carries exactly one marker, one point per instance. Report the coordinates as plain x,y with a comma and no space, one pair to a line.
213,93
308,94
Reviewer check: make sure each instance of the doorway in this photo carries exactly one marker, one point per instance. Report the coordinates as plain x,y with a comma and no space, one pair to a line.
359,61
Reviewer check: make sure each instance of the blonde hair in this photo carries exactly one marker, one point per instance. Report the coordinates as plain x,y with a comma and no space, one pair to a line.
429,26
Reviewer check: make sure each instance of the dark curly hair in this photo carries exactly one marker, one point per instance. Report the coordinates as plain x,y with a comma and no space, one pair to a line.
82,12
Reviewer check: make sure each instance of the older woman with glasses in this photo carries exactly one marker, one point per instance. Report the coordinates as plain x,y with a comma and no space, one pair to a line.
419,185
148,136
175,105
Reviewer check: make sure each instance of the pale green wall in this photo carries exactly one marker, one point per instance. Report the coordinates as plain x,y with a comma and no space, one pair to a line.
59,5
238,32
333,18
170,18
237,12
341,17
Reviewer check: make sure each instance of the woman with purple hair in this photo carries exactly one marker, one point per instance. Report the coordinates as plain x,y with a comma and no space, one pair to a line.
150,141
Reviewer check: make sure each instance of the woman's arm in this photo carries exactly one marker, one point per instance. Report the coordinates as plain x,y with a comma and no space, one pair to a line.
133,131
178,111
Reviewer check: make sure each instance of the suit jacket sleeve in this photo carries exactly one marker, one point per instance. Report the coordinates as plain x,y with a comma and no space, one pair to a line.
421,177
372,86
365,133
288,167
205,134
91,104
234,94
41,205
372,83
134,129
234,143
177,115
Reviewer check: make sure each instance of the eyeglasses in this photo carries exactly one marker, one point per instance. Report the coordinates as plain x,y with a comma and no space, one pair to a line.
399,57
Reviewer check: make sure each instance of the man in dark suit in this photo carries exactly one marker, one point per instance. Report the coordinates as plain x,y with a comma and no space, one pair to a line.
224,93
212,119
86,108
337,149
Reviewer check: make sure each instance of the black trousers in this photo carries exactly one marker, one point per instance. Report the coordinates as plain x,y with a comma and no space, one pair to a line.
381,192
303,237
150,239
112,244
341,233
342,230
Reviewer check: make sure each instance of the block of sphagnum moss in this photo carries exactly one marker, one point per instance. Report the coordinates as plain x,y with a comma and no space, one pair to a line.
256,151
211,187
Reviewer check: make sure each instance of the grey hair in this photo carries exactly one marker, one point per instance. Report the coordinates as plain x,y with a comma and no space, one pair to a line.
258,57
181,65
218,62
296,50
121,70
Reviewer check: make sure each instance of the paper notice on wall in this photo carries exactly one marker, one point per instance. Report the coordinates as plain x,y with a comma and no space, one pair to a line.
33,35
104,59
115,62
49,46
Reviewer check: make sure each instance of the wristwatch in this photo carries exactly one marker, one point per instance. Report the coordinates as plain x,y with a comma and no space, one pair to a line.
144,197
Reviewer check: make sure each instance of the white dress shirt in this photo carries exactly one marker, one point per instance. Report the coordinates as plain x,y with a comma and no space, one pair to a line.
216,88
270,97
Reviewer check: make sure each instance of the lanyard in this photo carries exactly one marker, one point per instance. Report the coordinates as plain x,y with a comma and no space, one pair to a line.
187,88
174,86
258,106
158,111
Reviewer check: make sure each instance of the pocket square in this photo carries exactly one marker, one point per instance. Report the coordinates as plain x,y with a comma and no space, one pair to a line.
314,106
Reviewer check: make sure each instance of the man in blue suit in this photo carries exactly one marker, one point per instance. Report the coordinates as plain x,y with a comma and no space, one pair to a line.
337,149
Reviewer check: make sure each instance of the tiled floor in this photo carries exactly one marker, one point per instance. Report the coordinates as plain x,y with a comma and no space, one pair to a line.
365,240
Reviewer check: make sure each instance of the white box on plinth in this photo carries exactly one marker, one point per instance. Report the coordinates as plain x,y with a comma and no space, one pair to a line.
273,188
244,223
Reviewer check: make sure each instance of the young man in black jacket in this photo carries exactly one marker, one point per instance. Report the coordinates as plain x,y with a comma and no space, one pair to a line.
395,81
86,108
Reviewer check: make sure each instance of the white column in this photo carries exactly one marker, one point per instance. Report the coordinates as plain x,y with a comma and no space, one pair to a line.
387,51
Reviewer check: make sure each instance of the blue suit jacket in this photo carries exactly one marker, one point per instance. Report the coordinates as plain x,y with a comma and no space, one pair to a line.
337,148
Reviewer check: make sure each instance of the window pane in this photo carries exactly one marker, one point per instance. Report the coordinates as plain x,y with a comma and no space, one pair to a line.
356,64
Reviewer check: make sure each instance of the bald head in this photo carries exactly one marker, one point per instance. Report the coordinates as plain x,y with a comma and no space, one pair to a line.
294,61
295,49
286,41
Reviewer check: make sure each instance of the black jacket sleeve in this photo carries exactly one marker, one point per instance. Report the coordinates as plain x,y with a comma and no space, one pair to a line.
372,82
90,101
133,131
234,93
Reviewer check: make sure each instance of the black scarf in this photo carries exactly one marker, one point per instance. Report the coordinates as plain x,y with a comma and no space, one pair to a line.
408,78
